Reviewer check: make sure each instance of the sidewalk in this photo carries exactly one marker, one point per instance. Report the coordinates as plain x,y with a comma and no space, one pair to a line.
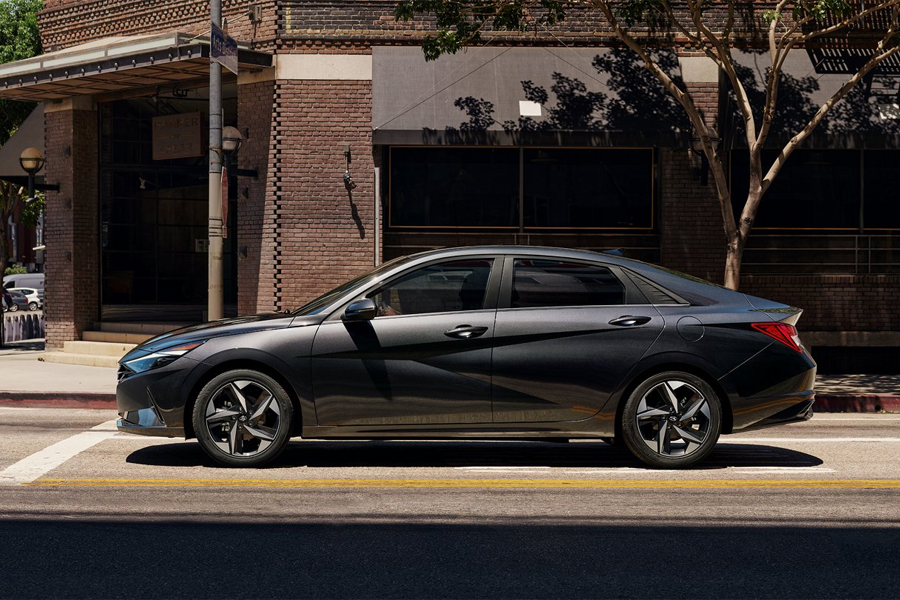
26,380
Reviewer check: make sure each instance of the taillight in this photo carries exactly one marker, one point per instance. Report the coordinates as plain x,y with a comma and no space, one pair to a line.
782,332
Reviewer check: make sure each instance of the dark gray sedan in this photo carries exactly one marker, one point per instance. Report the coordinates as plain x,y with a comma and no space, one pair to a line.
482,343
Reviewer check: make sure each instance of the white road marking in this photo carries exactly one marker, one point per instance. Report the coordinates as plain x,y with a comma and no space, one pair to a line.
33,467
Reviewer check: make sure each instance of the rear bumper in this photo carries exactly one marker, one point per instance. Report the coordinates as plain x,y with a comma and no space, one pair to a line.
801,411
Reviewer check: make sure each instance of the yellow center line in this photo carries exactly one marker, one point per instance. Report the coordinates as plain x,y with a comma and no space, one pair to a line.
477,483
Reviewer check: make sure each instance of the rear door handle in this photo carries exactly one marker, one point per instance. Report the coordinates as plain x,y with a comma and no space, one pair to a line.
630,321
465,332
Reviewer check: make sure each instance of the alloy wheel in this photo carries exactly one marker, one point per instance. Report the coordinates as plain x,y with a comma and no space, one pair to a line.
243,418
673,418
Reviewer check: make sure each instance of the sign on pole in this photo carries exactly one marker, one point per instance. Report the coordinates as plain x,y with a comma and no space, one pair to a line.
223,48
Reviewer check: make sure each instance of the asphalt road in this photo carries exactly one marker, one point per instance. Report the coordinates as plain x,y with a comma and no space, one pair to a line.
807,510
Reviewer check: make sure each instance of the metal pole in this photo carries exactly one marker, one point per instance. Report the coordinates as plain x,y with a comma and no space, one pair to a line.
215,303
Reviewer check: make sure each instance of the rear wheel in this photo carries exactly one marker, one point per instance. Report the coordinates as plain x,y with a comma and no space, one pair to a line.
243,418
14,307
672,420
32,306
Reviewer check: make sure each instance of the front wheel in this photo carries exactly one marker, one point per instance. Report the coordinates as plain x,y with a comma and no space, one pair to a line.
14,308
243,418
672,420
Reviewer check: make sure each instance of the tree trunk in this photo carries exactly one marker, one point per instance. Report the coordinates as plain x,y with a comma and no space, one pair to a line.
733,257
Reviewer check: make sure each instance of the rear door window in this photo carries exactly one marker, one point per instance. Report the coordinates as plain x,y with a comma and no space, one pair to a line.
545,283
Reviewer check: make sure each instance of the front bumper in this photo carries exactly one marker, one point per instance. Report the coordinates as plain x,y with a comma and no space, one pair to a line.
146,421
153,402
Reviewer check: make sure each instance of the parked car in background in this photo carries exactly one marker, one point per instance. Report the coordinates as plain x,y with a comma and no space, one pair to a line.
19,300
24,280
35,300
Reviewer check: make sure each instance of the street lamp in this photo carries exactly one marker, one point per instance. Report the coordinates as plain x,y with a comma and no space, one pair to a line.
31,161
231,139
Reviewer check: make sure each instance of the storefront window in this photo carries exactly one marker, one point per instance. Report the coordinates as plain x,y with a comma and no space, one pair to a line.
454,187
882,189
555,188
588,188
816,189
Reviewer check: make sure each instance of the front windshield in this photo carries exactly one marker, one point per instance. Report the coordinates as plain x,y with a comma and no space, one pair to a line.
325,300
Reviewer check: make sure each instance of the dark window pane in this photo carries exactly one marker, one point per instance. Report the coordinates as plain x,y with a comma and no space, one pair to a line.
816,189
454,187
444,287
588,188
555,283
882,189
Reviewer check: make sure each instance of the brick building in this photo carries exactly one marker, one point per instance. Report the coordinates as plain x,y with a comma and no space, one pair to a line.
554,137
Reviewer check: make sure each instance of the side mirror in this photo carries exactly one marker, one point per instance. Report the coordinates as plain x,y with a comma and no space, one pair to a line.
361,310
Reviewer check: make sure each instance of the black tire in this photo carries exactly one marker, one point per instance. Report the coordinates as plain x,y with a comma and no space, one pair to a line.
32,306
672,420
243,433
14,308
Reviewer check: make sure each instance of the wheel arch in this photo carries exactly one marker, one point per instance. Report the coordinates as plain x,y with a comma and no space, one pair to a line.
675,365
231,365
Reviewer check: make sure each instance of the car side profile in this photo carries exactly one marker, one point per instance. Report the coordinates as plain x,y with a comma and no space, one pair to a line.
34,298
482,343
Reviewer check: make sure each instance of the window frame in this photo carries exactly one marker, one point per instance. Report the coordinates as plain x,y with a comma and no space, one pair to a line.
633,295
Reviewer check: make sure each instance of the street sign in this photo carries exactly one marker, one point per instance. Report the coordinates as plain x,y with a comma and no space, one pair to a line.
223,49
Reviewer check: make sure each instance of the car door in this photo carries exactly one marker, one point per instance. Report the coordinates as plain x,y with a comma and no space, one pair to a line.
567,333
424,360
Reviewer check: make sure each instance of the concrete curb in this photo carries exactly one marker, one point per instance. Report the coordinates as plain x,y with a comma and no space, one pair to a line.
58,400
857,403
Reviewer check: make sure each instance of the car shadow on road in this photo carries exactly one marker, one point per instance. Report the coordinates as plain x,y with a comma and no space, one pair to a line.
349,454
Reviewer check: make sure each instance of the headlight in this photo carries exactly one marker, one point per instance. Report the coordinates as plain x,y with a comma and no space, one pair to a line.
160,359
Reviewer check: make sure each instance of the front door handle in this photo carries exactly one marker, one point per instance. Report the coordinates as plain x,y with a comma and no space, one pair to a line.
629,321
465,332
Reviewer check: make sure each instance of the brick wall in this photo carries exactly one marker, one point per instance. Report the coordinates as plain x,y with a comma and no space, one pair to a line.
324,233
65,23
72,259
337,22
834,302
256,212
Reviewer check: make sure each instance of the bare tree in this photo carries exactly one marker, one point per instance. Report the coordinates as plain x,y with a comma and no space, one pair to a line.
788,25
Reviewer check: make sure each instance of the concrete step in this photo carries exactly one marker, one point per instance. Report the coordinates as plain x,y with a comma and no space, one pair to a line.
116,350
146,328
115,337
69,358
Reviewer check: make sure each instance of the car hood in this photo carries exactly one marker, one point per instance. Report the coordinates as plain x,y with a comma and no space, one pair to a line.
204,331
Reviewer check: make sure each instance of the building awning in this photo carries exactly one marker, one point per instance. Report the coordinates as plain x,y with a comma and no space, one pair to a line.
115,64
30,134
868,117
529,96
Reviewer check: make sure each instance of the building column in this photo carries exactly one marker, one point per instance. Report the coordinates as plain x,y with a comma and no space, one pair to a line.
72,258
692,233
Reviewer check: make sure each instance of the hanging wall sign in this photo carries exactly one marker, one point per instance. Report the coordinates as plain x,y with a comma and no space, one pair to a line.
178,136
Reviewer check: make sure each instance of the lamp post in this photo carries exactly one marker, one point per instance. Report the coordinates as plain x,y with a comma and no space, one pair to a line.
32,161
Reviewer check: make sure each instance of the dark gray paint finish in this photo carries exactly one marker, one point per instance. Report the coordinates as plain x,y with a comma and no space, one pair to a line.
558,372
